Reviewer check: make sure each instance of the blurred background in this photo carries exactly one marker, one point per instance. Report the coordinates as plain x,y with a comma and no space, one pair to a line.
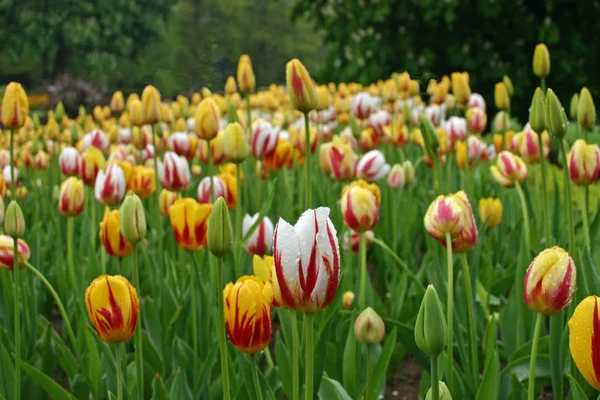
82,51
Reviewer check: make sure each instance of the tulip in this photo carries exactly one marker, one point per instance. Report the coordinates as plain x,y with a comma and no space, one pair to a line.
220,232
352,239
264,139
184,144
15,106
490,211
71,199
248,305
460,87
189,220
397,133
69,161
110,185
136,113
509,169
7,252
409,172
529,145
166,199
300,87
117,102
556,119
537,111
476,101
216,149
584,333
360,205
6,174
390,91
362,105
395,178
584,162
132,219
574,105
372,166
14,221
230,86
207,120
111,237
501,96
379,120
476,120
541,61
151,105
235,143
444,392
434,114
42,160
348,297
95,138
261,240
342,159
148,154
307,261
219,189
457,129
369,139
430,327
501,123
174,172
113,306
142,181
452,214
586,110
550,281
369,327
283,156
264,268
245,75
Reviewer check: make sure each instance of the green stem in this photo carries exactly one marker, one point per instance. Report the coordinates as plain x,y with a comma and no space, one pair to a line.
238,223
194,300
269,359
400,262
295,357
138,341
584,218
248,114
221,328
450,312
436,175
70,263
119,362
568,198
307,162
17,302
545,192
556,354
534,349
543,84
210,174
157,217
59,304
435,385
255,368
474,363
363,271
525,217
369,393
310,354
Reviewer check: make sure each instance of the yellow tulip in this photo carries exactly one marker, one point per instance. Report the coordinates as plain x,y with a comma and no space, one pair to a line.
136,114
71,199
360,205
245,75
264,268
189,220
490,211
541,61
460,87
142,181
584,337
235,143
501,97
15,106
117,102
166,199
151,105
113,306
92,160
110,235
301,88
207,120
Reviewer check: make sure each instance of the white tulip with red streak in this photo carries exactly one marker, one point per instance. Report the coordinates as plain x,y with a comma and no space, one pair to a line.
69,161
174,172
110,185
307,261
372,166
261,240
264,139
96,138
219,189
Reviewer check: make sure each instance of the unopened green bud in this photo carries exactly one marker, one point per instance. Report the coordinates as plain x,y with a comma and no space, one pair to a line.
354,127
430,328
574,106
537,111
556,119
35,147
133,219
185,110
158,129
369,327
430,137
14,221
36,121
220,232
231,113
409,172
59,112
444,392
74,133
82,113
509,85
586,111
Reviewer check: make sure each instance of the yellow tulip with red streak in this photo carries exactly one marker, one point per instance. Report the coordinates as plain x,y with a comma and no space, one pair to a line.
584,339
111,237
360,205
71,198
189,220
301,88
15,106
264,268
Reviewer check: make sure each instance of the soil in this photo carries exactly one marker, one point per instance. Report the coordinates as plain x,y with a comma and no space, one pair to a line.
405,383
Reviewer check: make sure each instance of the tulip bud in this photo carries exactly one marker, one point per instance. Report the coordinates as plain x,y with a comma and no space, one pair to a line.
220,232
14,221
573,108
135,112
541,61
59,112
36,122
550,281
245,75
444,393
409,172
207,120
369,327
490,211
584,162
430,328
501,96
430,137
347,299
133,219
300,86
230,85
235,143
586,111
501,122
15,106
460,87
360,205
151,105
509,85
537,111
556,119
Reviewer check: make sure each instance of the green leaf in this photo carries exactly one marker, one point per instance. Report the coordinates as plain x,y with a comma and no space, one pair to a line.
577,392
54,390
383,361
159,390
349,362
8,369
520,370
332,390
488,389
93,365
284,365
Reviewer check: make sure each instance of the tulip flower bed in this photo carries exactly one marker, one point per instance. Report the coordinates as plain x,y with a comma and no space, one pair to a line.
303,241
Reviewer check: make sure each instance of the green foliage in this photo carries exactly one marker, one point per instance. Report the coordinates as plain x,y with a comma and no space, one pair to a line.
368,40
